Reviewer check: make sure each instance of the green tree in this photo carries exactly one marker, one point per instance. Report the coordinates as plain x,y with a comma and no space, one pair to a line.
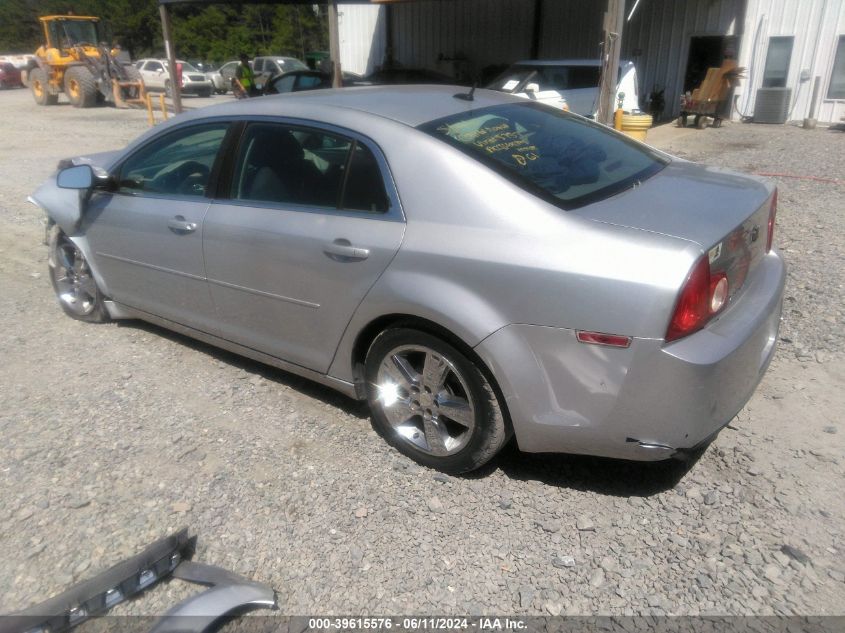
210,32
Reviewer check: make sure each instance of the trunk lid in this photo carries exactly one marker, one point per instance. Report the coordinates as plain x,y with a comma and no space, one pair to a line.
723,212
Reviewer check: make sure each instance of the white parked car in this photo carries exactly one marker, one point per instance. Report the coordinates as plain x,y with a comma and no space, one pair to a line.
567,82
156,77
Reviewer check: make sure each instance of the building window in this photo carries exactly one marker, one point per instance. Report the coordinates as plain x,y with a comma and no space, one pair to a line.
777,62
836,90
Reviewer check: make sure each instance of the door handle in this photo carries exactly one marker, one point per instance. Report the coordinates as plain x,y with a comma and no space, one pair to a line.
180,225
342,250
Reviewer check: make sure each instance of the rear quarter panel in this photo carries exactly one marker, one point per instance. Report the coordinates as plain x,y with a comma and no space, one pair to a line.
480,253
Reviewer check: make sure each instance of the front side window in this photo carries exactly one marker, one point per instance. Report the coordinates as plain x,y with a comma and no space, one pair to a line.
285,164
258,65
560,157
836,89
178,163
777,62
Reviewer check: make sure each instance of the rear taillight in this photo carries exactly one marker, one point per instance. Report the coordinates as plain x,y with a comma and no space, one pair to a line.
703,295
773,210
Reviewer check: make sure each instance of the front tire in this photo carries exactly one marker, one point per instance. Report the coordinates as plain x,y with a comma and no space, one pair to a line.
432,403
81,87
75,287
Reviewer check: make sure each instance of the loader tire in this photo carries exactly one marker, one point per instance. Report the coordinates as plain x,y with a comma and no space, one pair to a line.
81,87
40,88
133,74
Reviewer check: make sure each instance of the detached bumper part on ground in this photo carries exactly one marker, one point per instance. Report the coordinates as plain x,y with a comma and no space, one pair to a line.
94,597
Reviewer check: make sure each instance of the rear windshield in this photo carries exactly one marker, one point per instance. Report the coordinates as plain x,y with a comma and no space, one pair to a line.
558,156
547,77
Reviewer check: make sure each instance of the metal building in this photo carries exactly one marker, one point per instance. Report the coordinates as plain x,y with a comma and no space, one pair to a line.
783,44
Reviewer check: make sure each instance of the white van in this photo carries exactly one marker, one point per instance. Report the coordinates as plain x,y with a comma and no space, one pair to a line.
572,82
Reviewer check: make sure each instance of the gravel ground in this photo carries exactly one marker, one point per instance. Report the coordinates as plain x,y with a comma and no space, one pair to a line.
117,434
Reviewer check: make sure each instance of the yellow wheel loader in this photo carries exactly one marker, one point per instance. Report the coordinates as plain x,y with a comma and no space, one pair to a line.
73,61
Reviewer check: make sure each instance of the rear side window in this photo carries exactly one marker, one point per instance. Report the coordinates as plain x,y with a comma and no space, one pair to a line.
178,163
286,164
309,82
364,184
560,157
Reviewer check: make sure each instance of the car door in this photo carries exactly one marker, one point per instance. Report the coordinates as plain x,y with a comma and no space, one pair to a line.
147,234
311,222
258,71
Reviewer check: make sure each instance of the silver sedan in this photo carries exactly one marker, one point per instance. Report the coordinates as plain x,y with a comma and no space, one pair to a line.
476,266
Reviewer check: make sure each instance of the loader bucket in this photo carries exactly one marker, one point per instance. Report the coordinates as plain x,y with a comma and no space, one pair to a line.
128,93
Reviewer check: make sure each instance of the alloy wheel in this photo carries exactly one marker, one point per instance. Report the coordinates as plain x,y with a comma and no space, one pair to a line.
426,400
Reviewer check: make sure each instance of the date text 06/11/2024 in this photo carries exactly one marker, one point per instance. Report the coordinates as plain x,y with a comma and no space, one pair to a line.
417,624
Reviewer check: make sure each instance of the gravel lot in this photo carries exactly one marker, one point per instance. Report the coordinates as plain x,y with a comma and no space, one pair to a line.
117,434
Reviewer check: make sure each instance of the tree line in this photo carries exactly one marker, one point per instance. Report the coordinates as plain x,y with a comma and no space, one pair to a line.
216,32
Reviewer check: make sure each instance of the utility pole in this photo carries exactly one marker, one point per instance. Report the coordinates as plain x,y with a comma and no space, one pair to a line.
614,22
334,45
167,29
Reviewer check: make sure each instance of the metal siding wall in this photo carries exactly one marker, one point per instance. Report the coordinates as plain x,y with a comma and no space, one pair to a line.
572,29
816,26
660,31
482,31
499,31
362,37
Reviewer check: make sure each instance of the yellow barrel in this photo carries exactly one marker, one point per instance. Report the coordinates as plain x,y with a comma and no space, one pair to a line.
636,125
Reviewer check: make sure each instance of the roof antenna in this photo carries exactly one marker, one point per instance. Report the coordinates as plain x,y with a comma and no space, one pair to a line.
467,96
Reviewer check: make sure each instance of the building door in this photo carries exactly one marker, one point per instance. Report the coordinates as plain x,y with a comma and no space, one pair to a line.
707,51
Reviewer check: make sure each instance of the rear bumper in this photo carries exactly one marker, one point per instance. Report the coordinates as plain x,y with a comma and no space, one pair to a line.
195,87
645,402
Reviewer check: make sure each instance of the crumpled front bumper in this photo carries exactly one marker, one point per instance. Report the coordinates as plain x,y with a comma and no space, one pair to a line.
648,401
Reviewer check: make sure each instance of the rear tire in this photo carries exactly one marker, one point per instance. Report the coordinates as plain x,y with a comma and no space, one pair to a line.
81,87
40,88
432,403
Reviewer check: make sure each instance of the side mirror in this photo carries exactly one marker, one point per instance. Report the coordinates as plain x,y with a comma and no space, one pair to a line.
78,177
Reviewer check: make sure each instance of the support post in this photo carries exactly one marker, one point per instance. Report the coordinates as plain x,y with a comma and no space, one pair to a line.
614,21
334,45
810,121
167,30
537,30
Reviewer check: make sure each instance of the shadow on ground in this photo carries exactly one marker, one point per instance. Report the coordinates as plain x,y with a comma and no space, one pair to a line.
302,385
613,477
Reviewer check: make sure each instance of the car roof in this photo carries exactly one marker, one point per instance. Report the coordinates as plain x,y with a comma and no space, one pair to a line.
411,105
